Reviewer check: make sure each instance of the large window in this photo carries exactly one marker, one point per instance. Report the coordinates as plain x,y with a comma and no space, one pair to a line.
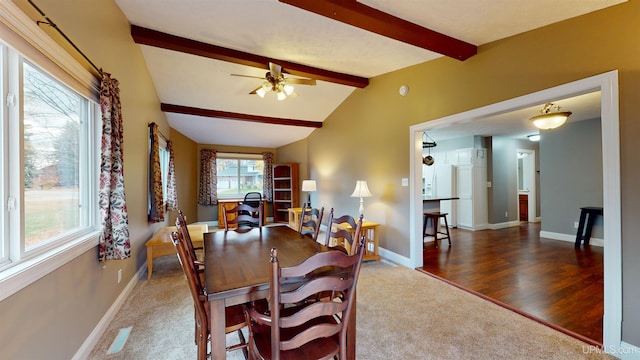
238,175
48,161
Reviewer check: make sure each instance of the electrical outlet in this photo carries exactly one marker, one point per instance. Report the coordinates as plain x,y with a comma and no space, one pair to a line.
506,214
119,275
575,225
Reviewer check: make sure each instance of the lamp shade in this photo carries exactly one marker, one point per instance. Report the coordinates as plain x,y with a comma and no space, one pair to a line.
361,190
308,185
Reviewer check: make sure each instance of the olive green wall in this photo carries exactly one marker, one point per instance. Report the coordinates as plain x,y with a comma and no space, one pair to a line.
51,318
367,137
185,150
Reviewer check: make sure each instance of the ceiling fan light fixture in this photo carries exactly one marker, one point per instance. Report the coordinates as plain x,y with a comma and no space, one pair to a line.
288,89
281,95
550,120
261,92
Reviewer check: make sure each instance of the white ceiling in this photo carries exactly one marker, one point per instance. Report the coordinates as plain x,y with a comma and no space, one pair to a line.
272,29
516,124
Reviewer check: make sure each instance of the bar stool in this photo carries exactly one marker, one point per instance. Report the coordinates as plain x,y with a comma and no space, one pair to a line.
435,217
587,218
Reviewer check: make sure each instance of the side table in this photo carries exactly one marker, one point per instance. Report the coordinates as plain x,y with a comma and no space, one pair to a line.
370,231
294,218
160,243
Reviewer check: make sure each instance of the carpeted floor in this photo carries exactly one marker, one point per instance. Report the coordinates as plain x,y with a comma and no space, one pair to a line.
402,314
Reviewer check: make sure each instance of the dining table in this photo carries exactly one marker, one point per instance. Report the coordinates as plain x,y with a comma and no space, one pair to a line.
237,271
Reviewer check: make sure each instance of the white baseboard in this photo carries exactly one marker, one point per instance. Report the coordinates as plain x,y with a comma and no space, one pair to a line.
625,351
503,225
570,238
395,258
92,340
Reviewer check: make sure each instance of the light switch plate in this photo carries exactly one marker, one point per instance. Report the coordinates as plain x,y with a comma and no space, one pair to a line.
405,182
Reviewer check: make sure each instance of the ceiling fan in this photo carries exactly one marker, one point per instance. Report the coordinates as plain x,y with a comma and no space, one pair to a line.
276,82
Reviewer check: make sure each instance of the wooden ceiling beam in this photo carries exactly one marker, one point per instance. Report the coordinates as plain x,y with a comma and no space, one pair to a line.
171,42
365,17
179,109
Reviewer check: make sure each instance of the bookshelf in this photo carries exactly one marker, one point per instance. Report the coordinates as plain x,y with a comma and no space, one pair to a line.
285,190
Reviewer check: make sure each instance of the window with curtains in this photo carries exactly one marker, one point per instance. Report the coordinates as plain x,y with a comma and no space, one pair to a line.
162,191
164,169
48,161
238,174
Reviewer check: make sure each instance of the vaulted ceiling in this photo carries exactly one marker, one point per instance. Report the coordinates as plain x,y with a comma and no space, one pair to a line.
192,48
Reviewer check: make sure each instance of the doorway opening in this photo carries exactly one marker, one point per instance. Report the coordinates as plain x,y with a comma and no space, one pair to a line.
607,84
527,185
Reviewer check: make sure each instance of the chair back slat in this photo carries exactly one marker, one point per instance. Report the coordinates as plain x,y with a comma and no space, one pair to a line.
310,221
325,320
341,232
183,232
242,216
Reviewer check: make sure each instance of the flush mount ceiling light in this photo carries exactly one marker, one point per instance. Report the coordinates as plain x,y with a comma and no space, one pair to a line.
550,120
534,137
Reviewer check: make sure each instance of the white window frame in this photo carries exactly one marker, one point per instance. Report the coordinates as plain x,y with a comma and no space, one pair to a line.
236,156
24,34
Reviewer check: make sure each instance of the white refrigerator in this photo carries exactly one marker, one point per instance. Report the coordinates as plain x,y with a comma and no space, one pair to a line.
440,182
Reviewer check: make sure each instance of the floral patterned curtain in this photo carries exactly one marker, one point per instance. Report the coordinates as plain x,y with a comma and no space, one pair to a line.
156,208
114,242
208,194
172,195
267,176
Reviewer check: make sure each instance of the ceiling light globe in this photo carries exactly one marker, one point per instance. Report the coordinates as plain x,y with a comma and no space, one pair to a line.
261,92
550,121
281,96
288,89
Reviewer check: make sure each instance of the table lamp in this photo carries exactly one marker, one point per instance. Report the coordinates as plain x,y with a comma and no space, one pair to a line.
361,191
308,186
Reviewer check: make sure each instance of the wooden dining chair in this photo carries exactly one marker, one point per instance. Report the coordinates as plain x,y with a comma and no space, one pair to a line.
234,315
310,221
196,253
316,330
341,232
242,217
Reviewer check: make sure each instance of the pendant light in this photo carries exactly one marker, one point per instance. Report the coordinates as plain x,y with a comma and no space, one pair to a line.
428,143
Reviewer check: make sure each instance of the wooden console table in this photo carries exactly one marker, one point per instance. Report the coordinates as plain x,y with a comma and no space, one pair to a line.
160,243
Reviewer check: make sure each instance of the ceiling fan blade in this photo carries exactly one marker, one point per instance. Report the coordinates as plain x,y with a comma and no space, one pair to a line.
275,69
254,90
301,81
247,76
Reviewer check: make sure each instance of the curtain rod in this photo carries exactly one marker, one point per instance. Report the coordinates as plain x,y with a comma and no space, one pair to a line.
159,132
53,25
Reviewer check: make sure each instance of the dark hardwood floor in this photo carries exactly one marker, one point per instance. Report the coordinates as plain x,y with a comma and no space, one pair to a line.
548,279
